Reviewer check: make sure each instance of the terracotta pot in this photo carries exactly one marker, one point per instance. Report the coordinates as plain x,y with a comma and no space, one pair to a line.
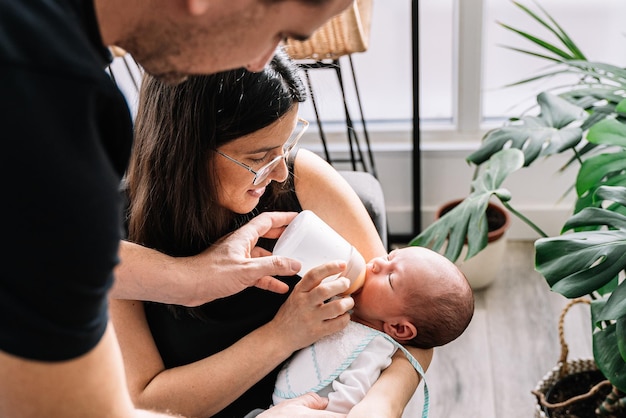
482,269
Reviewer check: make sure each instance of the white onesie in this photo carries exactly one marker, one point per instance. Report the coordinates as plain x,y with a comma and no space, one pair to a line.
343,367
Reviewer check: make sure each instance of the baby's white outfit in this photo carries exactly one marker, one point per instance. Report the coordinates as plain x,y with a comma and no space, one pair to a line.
342,367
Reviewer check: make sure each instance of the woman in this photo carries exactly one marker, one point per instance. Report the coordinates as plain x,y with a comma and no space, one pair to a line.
209,155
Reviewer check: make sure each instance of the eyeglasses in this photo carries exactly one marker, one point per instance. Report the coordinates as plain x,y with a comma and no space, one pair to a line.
262,173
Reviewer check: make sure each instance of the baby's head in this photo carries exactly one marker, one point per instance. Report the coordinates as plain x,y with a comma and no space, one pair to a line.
415,295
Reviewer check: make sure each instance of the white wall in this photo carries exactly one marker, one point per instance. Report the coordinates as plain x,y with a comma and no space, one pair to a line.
384,71
537,191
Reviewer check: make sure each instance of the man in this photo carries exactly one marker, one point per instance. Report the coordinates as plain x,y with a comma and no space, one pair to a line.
67,134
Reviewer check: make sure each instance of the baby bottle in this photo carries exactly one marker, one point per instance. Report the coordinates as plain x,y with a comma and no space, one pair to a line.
312,242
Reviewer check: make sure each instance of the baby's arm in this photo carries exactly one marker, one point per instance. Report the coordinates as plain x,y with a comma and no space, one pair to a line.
353,384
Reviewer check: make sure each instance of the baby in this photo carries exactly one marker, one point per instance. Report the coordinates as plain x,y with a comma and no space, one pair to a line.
413,296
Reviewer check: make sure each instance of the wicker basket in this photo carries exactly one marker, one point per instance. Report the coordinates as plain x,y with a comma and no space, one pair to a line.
344,34
563,368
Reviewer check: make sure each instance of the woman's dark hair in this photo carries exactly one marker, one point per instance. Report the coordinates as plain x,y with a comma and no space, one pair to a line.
171,179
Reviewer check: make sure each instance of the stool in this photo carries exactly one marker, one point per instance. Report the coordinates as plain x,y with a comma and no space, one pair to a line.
341,36
356,153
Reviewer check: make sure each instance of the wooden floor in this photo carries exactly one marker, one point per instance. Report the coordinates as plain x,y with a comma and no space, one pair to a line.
511,343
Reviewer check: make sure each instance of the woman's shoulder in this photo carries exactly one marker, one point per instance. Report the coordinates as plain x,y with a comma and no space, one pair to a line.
305,158
312,171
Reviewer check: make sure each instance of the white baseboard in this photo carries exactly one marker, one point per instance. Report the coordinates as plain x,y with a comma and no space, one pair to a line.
548,218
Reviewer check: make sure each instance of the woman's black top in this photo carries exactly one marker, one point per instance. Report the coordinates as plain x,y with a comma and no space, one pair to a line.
184,338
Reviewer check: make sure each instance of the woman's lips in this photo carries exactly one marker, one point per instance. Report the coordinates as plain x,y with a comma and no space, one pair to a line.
257,193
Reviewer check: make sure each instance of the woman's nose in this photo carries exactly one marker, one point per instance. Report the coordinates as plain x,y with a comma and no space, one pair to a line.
280,172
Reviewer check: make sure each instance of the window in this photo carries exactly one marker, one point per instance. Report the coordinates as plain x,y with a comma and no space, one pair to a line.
478,97
596,26
463,66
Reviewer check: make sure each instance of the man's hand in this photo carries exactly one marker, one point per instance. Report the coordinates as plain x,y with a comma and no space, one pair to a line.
234,263
229,266
309,405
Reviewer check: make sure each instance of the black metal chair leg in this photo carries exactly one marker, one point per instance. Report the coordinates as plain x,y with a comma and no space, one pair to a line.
365,132
317,116
356,154
353,139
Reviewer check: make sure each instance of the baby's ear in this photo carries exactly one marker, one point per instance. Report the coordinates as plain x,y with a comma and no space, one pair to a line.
400,331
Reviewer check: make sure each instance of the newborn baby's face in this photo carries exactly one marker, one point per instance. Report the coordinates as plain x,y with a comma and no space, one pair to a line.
383,289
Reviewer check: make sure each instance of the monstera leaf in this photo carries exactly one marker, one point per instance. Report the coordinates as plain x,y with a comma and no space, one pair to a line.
589,257
552,132
580,263
601,169
468,221
584,263
605,169
609,342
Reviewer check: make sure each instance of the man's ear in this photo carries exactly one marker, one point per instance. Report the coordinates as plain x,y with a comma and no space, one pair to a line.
197,7
400,331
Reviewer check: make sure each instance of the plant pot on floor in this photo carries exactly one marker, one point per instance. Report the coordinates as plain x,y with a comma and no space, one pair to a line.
482,269
574,388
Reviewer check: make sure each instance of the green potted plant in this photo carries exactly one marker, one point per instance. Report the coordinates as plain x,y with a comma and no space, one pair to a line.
588,120
482,269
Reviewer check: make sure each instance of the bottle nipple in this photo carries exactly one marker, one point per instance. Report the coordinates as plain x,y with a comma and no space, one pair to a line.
355,272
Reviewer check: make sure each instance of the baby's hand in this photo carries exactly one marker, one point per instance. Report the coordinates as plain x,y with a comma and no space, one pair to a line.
311,311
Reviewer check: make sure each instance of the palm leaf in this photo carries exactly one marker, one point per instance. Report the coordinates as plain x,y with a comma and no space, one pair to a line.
599,70
572,53
541,43
534,54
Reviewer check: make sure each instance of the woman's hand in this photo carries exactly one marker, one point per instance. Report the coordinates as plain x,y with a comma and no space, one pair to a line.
308,314
309,405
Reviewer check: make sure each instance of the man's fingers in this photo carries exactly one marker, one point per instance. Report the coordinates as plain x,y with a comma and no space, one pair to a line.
272,284
284,267
259,252
263,263
267,224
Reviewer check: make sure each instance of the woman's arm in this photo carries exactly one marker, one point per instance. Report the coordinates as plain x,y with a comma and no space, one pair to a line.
146,274
205,387
394,388
323,190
